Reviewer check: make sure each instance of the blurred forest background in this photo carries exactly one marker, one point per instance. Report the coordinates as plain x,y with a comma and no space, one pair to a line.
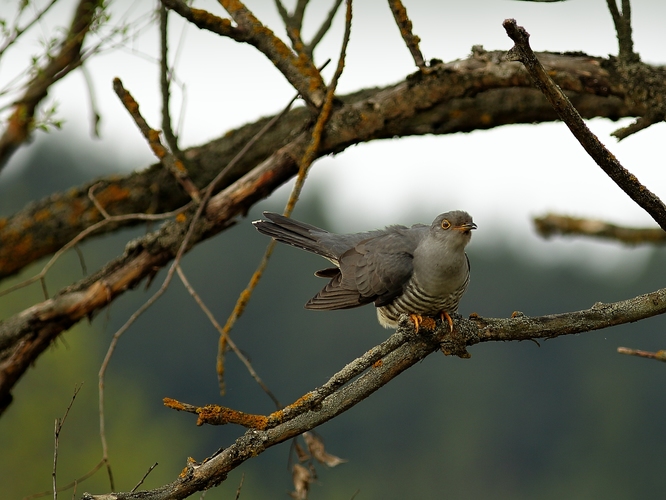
568,419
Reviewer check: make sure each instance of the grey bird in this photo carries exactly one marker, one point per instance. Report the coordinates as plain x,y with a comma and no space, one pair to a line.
420,270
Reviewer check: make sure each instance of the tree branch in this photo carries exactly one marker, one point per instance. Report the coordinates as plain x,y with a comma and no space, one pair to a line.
628,182
481,92
552,224
68,58
406,349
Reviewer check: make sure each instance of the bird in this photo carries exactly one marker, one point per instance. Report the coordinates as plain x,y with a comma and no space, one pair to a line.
421,271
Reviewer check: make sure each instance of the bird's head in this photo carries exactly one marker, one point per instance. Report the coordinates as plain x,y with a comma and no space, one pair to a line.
456,224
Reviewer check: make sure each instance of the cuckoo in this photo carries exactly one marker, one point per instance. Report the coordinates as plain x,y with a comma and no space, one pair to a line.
421,271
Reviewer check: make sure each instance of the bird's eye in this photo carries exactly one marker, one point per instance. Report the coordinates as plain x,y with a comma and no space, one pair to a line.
446,224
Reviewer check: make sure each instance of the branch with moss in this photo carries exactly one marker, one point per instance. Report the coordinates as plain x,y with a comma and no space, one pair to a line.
481,92
368,373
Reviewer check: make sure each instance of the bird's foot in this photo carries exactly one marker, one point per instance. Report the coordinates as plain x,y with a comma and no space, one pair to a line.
445,316
422,322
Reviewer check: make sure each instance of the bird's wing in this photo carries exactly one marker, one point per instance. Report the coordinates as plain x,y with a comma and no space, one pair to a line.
374,270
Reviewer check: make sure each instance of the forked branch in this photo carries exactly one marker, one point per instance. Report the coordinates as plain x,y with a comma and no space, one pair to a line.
628,182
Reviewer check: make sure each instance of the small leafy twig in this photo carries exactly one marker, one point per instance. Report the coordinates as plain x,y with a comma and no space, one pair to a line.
17,32
628,182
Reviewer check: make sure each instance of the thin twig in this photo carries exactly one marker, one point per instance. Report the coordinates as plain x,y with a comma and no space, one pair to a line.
622,22
307,159
405,27
165,82
323,29
238,490
659,355
231,344
144,477
628,182
59,423
95,117
17,32
169,160
70,485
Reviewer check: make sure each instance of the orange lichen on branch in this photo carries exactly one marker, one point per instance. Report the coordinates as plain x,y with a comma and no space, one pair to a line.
298,406
219,415
405,27
112,193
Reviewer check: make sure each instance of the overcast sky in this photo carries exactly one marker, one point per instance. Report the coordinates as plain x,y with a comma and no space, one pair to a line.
503,177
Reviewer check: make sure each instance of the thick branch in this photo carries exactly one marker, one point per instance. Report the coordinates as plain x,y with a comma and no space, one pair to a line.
481,92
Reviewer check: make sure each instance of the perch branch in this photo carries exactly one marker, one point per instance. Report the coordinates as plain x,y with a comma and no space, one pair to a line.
412,348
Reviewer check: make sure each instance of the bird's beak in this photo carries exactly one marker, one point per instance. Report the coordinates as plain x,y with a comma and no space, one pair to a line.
466,227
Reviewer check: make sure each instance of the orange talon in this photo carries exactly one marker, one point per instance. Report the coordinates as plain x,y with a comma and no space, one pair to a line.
445,316
417,321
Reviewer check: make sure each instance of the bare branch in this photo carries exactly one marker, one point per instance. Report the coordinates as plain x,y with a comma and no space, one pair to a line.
411,348
659,355
405,27
170,161
552,224
297,69
628,182
323,29
623,30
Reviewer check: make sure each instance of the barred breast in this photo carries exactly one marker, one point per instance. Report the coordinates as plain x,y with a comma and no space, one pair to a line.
415,300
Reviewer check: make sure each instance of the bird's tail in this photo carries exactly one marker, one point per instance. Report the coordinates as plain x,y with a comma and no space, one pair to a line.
293,232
